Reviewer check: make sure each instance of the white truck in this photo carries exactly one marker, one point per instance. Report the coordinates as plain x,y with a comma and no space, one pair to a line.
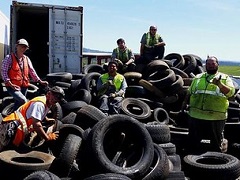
54,34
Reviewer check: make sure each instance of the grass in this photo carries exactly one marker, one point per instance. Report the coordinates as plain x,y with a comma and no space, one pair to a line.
230,70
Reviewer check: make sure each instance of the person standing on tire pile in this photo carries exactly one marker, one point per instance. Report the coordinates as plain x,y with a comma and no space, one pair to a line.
124,57
152,46
28,118
208,104
111,88
16,68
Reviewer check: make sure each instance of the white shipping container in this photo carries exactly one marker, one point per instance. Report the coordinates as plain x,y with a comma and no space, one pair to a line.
54,34
4,37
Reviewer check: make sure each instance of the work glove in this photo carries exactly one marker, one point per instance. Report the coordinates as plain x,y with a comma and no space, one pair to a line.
53,136
112,95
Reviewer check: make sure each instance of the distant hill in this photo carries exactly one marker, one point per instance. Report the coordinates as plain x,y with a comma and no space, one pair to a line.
93,51
229,63
221,62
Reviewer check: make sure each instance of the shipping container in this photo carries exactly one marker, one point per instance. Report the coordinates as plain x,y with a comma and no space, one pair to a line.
4,37
54,34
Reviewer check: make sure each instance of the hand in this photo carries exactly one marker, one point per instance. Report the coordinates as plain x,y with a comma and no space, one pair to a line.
53,136
110,82
217,80
45,83
112,95
16,88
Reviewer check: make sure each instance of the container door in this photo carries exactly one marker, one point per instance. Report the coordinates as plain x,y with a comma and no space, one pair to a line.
65,41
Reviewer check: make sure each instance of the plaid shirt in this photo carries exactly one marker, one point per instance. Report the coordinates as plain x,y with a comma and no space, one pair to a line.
7,64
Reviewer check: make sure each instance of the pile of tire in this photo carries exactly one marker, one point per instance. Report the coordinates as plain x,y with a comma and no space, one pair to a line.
145,140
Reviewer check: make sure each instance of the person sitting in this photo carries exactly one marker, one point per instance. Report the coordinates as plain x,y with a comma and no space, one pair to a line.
152,46
124,57
111,88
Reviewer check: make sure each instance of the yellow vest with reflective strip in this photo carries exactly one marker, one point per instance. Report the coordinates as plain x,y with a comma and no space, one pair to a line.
122,55
206,100
151,41
117,80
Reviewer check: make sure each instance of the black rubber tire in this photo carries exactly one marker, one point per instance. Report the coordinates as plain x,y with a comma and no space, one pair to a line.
162,79
161,115
69,119
178,60
93,68
190,63
7,110
212,165
62,164
88,116
160,165
135,133
72,106
143,110
23,164
160,133
108,176
42,175
59,76
81,95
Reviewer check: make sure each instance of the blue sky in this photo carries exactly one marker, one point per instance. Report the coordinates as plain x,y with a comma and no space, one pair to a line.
199,27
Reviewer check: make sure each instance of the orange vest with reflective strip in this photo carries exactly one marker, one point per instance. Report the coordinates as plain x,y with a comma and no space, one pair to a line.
19,136
17,76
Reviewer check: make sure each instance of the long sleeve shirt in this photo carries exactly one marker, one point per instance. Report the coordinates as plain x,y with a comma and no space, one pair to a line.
7,63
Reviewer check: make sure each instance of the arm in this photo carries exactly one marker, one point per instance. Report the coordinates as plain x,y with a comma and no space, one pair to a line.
37,112
131,57
37,126
122,90
6,63
143,42
160,42
33,73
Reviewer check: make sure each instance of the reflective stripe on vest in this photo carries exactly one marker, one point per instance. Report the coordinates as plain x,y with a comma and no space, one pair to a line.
151,41
117,81
124,54
26,124
17,75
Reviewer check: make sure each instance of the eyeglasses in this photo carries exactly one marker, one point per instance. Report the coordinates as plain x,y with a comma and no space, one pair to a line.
153,29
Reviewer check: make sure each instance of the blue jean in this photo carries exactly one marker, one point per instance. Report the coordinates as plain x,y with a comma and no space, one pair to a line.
19,96
110,105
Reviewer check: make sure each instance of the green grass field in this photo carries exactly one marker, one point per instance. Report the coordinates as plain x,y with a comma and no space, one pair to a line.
230,70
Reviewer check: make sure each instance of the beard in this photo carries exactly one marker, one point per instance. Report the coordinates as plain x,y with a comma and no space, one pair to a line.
212,71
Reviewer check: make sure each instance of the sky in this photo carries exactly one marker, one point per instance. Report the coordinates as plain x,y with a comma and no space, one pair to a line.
200,27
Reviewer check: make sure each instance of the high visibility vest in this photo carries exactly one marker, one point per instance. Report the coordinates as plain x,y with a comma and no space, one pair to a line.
122,55
151,41
206,100
117,80
17,75
25,124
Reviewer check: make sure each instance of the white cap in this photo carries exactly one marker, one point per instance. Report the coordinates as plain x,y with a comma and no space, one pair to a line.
23,42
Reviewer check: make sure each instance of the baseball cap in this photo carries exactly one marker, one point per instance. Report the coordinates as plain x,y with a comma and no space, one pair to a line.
58,92
22,42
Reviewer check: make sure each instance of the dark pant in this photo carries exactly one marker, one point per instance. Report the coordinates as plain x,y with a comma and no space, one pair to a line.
205,129
151,54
